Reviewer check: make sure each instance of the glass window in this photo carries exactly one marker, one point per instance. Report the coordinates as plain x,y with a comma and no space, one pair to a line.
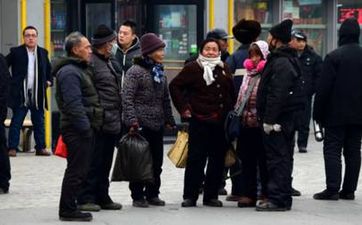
310,17
58,24
96,14
349,8
176,25
261,11
129,10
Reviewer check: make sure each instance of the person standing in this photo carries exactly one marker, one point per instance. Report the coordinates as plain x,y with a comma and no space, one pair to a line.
311,64
146,106
4,156
30,76
94,194
203,93
81,114
279,98
338,108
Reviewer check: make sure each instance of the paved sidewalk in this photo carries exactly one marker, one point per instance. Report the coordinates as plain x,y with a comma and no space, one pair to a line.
35,189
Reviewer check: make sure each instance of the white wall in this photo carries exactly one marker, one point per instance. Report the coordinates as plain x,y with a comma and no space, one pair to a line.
9,25
35,17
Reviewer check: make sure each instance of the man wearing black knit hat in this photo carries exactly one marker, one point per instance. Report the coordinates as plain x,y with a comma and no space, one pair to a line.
94,194
280,96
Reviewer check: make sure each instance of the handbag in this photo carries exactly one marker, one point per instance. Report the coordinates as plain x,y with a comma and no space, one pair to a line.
61,149
178,152
232,122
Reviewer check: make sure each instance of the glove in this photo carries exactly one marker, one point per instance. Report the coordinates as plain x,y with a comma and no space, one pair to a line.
269,128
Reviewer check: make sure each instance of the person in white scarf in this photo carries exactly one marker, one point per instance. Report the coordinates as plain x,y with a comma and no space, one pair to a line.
208,63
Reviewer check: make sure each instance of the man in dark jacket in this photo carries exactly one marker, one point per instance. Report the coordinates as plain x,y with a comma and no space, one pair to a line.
338,107
94,194
30,76
4,157
127,47
279,98
311,64
81,114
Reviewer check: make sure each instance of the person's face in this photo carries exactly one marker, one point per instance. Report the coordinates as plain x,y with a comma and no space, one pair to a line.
223,45
271,42
83,50
158,55
297,44
211,50
255,58
30,38
125,35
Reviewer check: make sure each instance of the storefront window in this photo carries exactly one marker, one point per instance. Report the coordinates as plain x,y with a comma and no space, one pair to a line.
349,8
58,24
261,11
310,17
129,10
96,14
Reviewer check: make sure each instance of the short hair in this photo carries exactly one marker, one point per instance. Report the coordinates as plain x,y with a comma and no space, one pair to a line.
30,28
208,40
131,24
73,39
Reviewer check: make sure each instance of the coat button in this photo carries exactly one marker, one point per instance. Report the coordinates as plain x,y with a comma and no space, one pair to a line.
218,86
220,95
221,106
215,75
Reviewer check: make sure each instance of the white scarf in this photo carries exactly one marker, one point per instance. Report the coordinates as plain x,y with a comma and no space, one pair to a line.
209,64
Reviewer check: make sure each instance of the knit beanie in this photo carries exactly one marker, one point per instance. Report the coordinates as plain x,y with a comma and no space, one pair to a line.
246,31
349,28
150,42
282,31
103,34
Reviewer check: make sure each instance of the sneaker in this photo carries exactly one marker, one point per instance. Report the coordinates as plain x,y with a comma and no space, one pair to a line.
111,206
222,191
75,216
296,193
89,207
346,195
326,195
232,198
303,150
156,201
42,152
270,207
212,203
188,203
12,152
142,203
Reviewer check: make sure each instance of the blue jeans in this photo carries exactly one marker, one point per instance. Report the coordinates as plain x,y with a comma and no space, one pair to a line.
37,118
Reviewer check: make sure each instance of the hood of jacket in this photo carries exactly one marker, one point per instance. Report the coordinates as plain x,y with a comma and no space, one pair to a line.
349,32
135,46
264,48
63,61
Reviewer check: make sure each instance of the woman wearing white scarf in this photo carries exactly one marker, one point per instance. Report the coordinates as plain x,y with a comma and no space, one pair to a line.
203,93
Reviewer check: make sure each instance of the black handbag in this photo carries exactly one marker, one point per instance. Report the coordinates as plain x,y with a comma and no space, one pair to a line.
233,119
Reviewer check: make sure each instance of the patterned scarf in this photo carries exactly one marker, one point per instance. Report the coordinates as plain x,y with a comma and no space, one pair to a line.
157,70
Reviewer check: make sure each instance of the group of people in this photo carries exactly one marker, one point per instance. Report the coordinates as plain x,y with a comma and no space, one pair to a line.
111,85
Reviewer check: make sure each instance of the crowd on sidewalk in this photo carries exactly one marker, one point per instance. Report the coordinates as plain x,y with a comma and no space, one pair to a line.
115,84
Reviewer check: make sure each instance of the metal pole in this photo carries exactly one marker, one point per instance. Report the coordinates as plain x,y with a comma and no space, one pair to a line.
230,24
211,14
23,18
47,37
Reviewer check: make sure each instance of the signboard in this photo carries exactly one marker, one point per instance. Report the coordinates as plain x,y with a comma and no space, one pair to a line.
347,12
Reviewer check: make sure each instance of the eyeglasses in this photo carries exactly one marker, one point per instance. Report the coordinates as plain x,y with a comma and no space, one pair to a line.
30,35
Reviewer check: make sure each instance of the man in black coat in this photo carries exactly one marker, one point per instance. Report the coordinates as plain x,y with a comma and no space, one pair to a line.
30,76
4,157
338,107
279,98
311,64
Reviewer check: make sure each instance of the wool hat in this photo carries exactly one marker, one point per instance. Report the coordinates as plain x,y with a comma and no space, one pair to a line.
246,31
218,34
150,42
299,35
103,34
350,27
282,31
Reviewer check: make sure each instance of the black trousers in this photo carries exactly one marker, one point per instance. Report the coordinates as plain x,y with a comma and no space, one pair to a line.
95,188
347,138
150,190
206,142
4,160
253,159
303,118
80,148
279,160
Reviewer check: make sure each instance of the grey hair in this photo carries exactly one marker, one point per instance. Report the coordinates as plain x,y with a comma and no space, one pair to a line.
72,40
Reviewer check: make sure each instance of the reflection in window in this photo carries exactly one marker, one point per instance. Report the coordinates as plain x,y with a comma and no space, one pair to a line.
349,8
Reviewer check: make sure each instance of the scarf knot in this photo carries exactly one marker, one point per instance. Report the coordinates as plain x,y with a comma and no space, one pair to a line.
157,70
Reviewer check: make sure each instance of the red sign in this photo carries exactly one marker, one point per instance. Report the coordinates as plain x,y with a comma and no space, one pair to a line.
345,13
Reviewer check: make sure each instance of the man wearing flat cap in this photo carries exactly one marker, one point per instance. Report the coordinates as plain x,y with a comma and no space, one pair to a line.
94,194
280,97
311,64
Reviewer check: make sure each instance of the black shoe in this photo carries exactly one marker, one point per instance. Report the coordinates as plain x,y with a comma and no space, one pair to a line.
188,203
111,206
156,201
346,195
303,150
270,207
3,191
296,193
326,195
141,203
222,191
75,216
213,203
89,207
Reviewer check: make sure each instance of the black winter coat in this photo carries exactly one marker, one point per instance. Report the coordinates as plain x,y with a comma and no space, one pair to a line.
311,64
280,89
125,59
338,100
107,83
4,87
